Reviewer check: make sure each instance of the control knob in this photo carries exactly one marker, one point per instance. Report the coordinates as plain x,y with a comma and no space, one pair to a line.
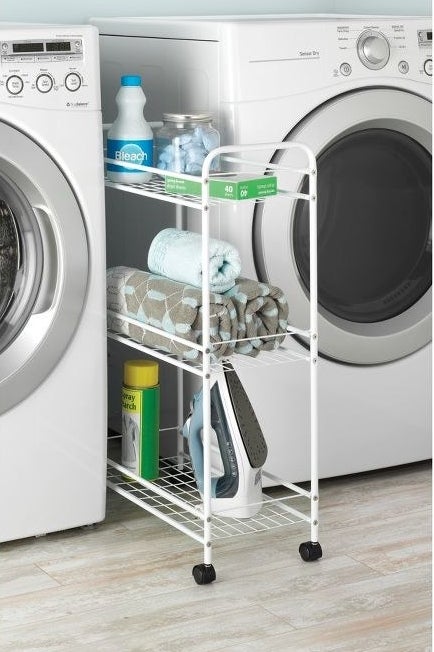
72,81
14,85
373,49
44,82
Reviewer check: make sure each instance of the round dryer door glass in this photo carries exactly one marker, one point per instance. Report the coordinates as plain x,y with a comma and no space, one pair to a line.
373,150
374,243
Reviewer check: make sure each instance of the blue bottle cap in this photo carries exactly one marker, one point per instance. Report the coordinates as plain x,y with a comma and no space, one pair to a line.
131,80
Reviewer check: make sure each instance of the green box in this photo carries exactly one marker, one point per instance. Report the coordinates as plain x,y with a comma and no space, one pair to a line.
230,186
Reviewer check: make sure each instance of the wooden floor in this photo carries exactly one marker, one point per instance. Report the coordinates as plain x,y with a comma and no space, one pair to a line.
125,585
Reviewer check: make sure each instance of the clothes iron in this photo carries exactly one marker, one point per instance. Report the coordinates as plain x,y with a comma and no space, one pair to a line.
237,439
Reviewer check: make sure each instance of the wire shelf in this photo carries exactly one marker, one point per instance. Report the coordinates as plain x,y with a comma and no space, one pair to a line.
175,346
175,499
156,187
281,355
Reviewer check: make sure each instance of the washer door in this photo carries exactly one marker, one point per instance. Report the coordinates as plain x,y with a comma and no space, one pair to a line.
43,265
373,149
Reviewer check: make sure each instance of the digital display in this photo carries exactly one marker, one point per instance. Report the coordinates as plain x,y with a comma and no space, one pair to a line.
424,37
59,46
27,47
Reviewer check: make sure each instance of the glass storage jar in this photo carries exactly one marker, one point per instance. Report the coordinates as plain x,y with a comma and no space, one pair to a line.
183,142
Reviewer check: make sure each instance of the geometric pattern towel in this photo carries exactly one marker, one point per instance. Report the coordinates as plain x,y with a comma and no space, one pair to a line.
262,309
171,306
249,310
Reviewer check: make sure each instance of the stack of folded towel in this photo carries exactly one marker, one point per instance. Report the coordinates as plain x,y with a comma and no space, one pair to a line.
170,298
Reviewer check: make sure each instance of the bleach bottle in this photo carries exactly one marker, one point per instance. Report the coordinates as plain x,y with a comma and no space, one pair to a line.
130,137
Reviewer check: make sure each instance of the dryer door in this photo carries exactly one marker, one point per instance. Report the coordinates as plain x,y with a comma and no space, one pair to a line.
373,149
43,265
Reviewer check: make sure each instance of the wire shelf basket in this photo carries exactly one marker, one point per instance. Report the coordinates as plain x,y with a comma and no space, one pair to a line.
174,497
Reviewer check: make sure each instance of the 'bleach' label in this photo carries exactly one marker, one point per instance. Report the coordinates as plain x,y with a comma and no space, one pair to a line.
139,152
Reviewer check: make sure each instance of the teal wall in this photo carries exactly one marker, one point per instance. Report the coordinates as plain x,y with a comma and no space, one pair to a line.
79,11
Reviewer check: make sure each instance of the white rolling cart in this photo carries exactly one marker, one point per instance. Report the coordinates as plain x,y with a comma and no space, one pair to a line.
174,497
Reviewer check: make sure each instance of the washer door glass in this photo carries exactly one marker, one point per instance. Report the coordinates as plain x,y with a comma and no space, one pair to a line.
43,265
373,149
21,261
10,253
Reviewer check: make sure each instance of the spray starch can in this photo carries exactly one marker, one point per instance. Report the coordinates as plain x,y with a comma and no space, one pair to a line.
130,138
141,418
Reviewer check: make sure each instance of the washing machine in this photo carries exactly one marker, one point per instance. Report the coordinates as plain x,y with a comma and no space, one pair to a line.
357,91
52,281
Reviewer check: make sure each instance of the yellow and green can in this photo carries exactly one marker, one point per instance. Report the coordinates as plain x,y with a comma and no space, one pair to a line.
141,418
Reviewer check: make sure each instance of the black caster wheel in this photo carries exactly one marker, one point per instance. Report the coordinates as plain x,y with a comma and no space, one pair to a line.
310,551
204,573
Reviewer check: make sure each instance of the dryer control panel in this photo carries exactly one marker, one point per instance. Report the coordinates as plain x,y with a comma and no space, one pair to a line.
49,69
401,49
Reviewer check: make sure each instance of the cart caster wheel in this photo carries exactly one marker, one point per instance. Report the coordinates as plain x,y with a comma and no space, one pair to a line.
204,573
310,551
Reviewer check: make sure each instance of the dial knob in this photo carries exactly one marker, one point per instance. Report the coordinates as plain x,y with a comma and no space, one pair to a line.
44,83
72,81
373,49
14,84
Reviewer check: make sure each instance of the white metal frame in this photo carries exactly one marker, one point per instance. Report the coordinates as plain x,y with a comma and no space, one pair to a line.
173,497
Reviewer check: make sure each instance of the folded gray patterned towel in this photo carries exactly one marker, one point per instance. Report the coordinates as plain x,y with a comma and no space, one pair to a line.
250,309
262,310
172,307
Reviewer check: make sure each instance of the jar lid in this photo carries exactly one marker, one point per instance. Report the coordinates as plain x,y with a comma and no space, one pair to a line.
187,117
141,373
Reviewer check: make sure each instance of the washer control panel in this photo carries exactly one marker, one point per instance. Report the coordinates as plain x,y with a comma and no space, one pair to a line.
50,70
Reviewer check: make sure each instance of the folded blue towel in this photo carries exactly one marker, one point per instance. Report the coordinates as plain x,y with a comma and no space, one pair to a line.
177,255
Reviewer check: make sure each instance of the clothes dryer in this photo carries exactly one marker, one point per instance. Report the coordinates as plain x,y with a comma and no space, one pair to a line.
52,281
357,91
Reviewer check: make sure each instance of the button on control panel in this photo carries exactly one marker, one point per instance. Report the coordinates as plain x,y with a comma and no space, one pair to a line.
403,67
345,69
427,66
